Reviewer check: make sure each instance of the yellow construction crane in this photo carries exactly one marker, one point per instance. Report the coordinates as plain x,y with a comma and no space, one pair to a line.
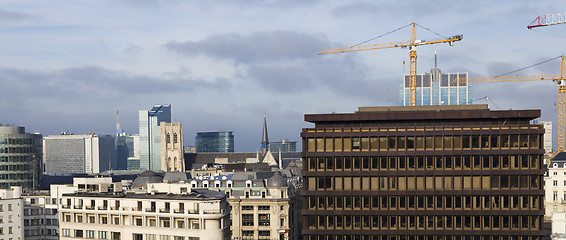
559,79
412,44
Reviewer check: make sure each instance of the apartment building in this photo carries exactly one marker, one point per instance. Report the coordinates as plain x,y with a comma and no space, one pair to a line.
11,213
105,211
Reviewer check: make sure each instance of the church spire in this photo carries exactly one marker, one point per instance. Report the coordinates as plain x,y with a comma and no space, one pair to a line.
264,139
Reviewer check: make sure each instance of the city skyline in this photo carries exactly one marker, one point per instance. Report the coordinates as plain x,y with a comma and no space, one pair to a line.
71,65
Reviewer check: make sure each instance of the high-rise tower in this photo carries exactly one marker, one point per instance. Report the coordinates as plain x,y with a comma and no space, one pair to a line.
150,135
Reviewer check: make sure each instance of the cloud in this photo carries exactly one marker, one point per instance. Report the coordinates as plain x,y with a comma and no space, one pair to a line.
256,47
9,16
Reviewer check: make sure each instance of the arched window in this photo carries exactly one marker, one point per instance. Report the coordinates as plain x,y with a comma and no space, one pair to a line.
168,138
174,137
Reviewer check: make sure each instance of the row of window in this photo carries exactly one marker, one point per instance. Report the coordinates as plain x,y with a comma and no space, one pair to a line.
148,221
91,234
411,143
467,162
424,202
415,237
249,235
384,222
16,141
16,167
260,208
14,159
16,149
403,183
262,220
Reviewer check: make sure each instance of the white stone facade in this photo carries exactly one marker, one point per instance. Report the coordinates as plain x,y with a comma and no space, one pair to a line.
145,216
11,213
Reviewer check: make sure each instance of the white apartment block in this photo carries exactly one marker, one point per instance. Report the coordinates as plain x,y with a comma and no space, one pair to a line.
40,216
555,195
163,212
11,214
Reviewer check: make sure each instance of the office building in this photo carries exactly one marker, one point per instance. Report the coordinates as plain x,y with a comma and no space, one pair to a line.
438,88
90,153
222,141
547,136
424,173
150,135
11,213
172,155
20,157
104,210
125,148
283,145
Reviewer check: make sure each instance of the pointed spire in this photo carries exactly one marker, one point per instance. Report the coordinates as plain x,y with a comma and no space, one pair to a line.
264,139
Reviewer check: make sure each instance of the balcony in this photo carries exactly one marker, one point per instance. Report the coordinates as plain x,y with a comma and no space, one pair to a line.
193,211
102,207
89,207
78,207
150,209
66,206
212,211
179,211
164,210
114,208
138,209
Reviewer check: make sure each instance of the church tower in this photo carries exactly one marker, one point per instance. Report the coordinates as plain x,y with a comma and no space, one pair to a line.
264,139
172,159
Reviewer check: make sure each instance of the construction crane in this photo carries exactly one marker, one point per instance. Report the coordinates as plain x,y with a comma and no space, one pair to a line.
411,44
548,19
559,79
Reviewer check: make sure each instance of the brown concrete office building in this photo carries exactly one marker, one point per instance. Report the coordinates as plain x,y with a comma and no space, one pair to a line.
425,173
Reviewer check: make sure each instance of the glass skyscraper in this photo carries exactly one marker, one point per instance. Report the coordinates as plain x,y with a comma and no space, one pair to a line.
222,141
437,88
150,135
20,157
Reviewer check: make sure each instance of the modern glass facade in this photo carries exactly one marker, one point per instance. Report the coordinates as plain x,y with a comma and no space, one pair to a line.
409,174
437,88
222,141
150,135
283,145
20,158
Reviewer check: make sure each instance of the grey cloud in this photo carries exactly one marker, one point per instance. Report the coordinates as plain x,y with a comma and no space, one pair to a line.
256,47
133,49
281,79
96,81
9,16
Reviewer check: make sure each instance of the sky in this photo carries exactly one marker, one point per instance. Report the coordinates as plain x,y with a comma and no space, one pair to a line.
70,65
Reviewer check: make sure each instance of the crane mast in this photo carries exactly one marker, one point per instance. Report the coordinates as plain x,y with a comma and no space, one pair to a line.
411,44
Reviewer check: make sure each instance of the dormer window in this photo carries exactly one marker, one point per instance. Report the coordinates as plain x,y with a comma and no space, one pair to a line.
217,184
205,184
248,184
229,184
193,184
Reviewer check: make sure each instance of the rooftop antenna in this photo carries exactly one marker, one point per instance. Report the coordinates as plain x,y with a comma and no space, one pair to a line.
118,129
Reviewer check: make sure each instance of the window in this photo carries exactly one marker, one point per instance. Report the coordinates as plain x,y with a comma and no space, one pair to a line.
137,236
79,233
247,207
116,236
247,219
90,234
248,235
263,234
554,196
66,232
150,237
102,234
265,208
263,219
555,183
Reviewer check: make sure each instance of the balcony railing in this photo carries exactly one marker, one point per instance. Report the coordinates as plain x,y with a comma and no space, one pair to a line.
193,211
164,210
102,207
66,206
78,206
114,208
89,207
212,211
150,209
179,211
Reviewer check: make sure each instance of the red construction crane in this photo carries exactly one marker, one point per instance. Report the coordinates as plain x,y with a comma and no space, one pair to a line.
548,19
